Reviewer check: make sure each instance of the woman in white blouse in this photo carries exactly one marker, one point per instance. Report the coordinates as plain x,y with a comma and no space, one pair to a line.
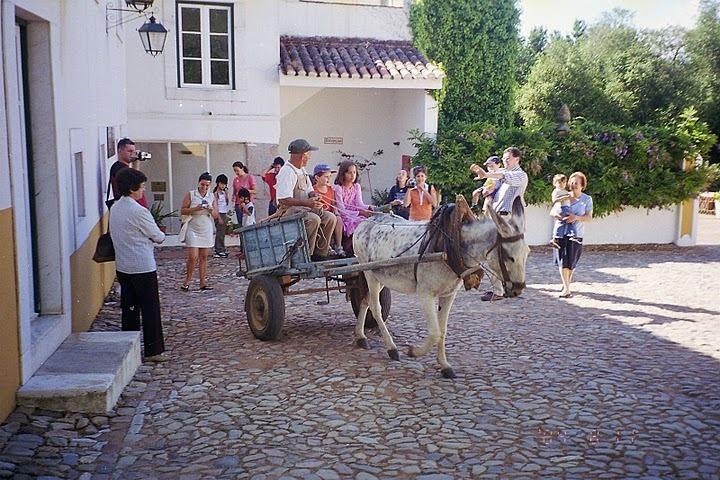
133,233
197,207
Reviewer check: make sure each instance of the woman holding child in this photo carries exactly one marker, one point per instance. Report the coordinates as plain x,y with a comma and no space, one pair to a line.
569,246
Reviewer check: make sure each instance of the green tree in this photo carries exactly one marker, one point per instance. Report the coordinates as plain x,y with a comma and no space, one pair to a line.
532,47
703,50
611,73
476,42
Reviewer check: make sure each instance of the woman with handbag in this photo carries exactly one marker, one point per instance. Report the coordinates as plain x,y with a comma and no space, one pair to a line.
197,231
133,233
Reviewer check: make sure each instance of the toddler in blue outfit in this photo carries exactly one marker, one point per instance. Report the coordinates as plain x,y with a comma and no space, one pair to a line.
561,206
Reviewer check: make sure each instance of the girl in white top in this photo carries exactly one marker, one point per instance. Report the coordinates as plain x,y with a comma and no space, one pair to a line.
222,206
199,237
248,207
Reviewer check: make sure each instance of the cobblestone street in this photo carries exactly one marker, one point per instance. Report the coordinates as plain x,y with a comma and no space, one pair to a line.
620,381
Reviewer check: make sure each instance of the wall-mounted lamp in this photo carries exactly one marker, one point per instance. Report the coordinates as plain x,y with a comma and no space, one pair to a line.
153,37
152,34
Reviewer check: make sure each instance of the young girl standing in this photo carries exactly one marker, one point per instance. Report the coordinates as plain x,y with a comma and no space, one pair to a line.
242,179
222,206
422,198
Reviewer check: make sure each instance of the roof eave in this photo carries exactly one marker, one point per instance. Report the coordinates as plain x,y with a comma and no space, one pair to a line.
337,82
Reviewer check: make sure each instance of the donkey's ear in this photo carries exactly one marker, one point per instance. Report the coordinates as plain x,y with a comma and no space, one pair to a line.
518,214
463,209
503,228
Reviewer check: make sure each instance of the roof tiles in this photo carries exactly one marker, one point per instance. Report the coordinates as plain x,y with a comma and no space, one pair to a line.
354,58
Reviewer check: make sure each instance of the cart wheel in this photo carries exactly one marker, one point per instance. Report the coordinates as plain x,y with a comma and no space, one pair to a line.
385,302
265,307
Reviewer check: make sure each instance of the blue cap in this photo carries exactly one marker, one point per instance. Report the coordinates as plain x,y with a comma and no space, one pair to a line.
322,168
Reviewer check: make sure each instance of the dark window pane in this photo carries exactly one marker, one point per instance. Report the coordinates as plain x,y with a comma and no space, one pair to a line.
191,19
219,21
219,46
192,70
219,73
191,45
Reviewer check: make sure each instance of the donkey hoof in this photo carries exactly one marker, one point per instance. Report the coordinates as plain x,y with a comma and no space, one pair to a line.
362,343
393,353
447,372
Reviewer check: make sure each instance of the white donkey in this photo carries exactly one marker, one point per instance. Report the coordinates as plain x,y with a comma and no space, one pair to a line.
495,241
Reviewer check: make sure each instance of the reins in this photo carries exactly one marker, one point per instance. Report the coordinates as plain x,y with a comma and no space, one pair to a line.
503,256
460,269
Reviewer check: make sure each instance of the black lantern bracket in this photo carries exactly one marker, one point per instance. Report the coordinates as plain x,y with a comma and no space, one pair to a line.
152,34
111,20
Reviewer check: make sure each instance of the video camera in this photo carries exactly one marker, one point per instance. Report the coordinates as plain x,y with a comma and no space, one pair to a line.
142,156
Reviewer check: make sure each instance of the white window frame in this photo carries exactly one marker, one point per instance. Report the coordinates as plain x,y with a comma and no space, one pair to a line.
205,34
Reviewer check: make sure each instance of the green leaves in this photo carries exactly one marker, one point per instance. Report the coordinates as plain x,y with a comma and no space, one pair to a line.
639,167
477,43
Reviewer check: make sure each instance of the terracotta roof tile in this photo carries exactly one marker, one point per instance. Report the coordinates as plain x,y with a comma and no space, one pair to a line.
354,58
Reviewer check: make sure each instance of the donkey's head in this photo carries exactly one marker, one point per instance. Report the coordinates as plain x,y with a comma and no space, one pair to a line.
509,253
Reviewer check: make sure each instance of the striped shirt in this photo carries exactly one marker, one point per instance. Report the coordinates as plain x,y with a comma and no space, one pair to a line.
512,185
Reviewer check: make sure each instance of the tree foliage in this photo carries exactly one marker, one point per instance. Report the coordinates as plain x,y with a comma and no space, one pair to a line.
476,43
703,51
608,73
625,166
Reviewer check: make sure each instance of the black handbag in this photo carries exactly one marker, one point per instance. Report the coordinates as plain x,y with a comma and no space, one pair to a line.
105,250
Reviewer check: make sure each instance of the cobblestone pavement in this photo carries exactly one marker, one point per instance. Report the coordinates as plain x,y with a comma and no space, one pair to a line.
620,381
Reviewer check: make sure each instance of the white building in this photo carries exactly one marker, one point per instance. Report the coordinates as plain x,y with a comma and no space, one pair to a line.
238,81
63,84
75,79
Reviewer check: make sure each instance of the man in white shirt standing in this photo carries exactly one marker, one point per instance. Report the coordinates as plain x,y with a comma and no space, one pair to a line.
512,183
295,194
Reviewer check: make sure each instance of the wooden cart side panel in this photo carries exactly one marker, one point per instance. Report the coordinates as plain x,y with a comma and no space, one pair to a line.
266,244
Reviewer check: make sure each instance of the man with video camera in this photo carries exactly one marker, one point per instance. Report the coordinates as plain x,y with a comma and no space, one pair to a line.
127,154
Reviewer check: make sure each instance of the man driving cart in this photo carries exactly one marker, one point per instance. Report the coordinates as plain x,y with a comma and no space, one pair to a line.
295,195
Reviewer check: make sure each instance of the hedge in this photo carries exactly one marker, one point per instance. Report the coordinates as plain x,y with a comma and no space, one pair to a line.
625,167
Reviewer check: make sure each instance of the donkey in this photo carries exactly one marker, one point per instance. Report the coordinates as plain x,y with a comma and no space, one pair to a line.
497,241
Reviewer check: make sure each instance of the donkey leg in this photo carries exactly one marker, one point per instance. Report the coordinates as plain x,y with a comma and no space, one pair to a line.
429,307
374,288
444,303
360,338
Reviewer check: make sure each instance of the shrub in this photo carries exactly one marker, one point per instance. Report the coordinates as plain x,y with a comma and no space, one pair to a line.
638,167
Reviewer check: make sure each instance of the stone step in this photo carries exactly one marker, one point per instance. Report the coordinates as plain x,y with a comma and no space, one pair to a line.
87,373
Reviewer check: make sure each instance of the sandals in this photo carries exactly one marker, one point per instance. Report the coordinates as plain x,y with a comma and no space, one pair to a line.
185,287
206,288
566,295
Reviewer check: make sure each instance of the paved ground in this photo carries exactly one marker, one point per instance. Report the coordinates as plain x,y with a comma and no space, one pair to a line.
620,381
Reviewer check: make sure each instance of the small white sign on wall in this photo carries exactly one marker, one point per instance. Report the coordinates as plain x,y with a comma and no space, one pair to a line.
333,140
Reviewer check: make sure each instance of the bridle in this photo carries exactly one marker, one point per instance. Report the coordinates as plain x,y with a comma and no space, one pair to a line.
503,257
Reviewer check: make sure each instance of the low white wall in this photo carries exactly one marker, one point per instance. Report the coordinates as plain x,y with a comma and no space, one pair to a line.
631,226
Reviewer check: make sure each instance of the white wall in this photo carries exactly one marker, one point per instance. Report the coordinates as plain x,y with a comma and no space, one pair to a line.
366,119
631,226
307,19
158,110
77,83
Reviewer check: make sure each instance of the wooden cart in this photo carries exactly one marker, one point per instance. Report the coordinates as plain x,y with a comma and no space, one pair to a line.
276,258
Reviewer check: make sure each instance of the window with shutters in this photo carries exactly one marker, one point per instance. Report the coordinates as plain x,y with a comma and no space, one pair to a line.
205,45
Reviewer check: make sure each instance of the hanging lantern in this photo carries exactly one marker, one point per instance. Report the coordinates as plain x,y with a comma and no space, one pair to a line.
139,5
153,37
